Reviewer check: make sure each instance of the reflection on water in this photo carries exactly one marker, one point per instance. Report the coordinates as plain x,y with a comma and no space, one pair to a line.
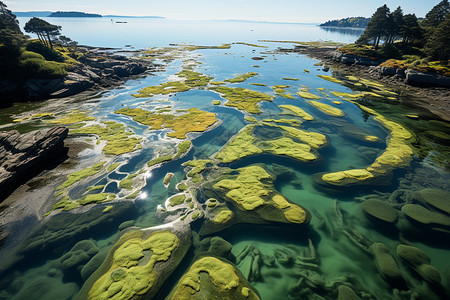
354,32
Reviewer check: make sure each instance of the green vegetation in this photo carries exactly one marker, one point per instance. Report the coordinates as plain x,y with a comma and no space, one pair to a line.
216,102
80,175
127,183
183,147
242,77
407,42
280,90
239,146
194,79
328,109
198,166
168,178
131,271
119,141
113,166
194,120
72,118
161,159
356,22
177,200
329,78
307,95
162,89
242,99
297,111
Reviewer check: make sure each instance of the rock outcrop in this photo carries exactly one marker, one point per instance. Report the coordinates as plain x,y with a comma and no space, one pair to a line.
23,154
95,69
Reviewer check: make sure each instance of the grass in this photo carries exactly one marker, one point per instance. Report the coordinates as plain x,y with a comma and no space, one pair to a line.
80,175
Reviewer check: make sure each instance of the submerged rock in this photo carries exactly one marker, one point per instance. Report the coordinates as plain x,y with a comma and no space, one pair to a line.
25,154
379,210
419,262
213,278
386,264
424,216
346,293
78,256
437,198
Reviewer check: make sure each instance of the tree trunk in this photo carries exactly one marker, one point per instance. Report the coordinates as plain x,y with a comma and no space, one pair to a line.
378,42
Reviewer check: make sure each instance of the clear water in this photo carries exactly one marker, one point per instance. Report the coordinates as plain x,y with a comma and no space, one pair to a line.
338,256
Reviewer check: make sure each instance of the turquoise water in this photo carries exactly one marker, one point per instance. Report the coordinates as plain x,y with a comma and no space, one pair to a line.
339,259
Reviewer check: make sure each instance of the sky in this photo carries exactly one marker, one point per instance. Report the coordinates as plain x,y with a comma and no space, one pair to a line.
298,11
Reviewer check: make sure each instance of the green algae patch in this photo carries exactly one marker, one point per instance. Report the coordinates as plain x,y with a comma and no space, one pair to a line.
194,120
258,84
159,160
132,273
246,189
250,119
397,154
347,95
308,95
96,187
239,146
224,216
292,79
327,109
119,141
306,71
242,99
197,165
96,198
127,183
80,175
168,178
292,122
280,90
182,187
72,118
241,77
223,282
65,204
329,78
297,111
113,166
194,79
337,102
177,200
162,89
216,102
183,147
287,147
313,139
35,116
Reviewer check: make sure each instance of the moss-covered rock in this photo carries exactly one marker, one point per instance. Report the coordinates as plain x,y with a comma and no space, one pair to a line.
78,256
213,278
80,175
137,265
241,77
72,118
297,111
194,120
242,99
327,109
379,210
420,263
424,216
308,95
437,198
386,264
346,293
119,140
329,78
239,146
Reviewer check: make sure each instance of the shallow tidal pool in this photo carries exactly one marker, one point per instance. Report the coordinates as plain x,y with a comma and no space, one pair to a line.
301,186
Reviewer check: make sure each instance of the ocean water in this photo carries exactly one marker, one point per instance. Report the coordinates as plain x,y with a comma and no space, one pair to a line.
337,217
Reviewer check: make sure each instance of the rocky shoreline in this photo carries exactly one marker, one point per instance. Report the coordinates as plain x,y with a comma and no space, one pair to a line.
426,90
97,69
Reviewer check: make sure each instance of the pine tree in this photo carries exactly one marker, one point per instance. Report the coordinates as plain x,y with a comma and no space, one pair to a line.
45,31
397,24
378,27
411,30
438,46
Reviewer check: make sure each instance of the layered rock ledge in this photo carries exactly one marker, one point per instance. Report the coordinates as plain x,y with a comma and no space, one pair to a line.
22,155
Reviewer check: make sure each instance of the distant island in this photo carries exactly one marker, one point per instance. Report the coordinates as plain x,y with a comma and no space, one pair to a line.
356,22
73,14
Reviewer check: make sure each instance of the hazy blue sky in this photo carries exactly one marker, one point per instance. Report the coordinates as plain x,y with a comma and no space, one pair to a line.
260,10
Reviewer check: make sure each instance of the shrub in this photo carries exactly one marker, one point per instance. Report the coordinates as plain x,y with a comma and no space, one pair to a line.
28,54
46,52
36,67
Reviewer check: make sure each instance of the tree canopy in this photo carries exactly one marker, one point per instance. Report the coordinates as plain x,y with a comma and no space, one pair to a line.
438,46
378,27
45,31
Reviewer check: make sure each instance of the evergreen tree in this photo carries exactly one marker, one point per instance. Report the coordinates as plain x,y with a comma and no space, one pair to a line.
397,24
411,30
378,27
45,31
8,20
437,14
438,46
